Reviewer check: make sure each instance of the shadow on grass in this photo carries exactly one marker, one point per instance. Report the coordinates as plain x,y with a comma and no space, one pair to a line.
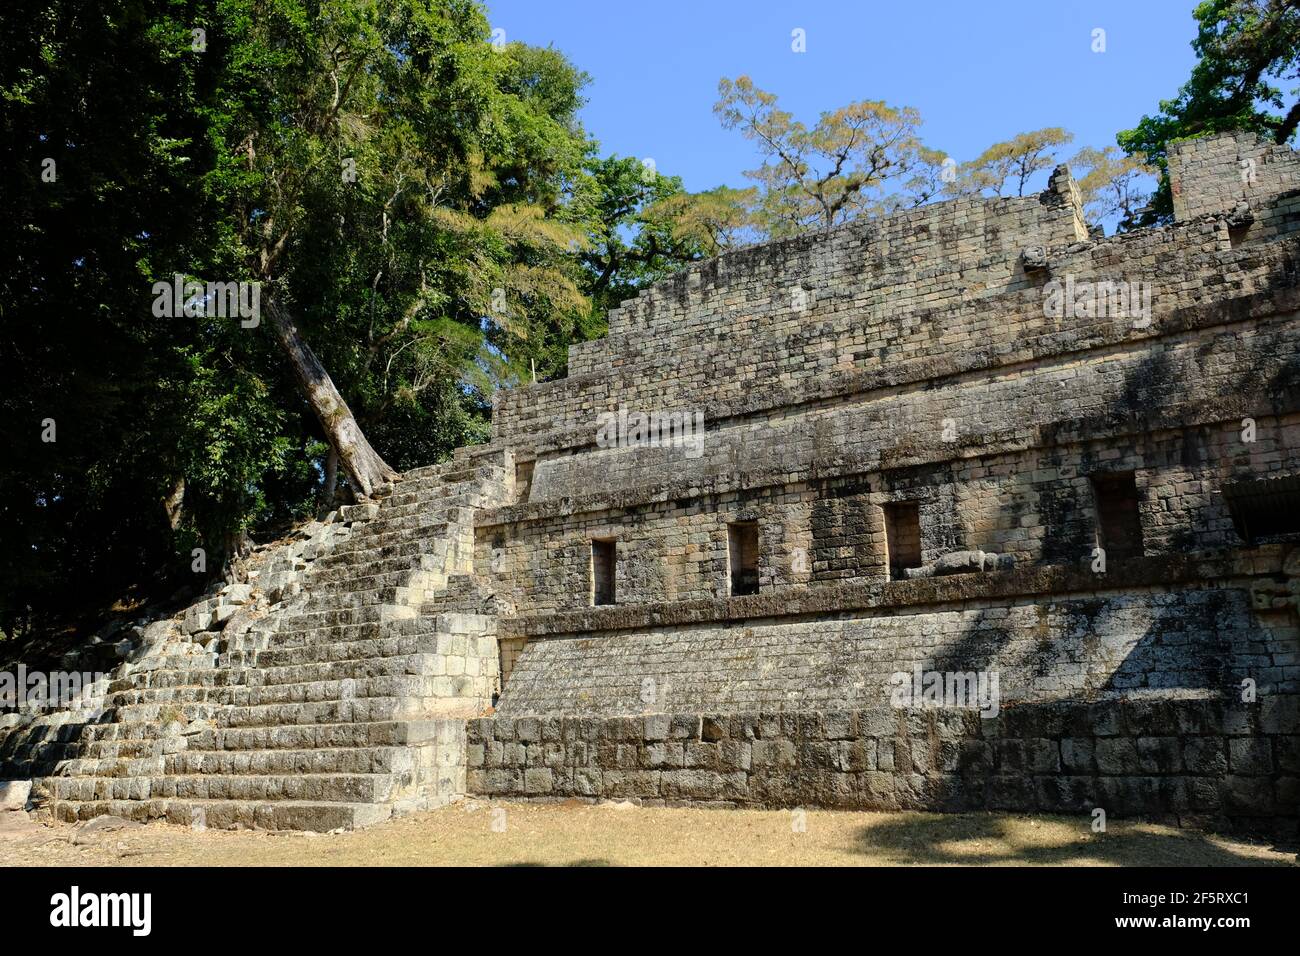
531,864
972,839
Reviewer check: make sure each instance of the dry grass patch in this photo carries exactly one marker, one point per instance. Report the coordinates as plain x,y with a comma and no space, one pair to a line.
576,834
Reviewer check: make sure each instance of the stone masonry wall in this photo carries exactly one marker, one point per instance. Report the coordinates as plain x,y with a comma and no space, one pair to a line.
919,359
1161,640
1214,174
1036,505
1194,762
769,350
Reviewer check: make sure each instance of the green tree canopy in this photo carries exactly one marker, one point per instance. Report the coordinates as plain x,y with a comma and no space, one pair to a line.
406,193
1247,77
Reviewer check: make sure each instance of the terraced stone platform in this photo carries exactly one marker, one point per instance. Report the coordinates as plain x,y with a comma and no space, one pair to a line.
905,461
336,704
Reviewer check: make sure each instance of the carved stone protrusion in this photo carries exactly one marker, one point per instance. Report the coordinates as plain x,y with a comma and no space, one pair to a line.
963,562
1034,258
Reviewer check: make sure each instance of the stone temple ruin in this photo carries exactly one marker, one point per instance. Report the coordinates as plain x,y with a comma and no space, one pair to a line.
968,440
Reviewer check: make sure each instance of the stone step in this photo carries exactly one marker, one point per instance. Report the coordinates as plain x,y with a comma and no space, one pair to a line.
134,730
414,589
396,733
421,519
322,788
315,761
38,758
227,814
395,572
434,623
429,498
469,470
396,545
452,696
158,713
423,473
339,599
322,652
356,710
369,665
435,663
123,749
448,502
181,654
365,614
310,692
418,520
301,737
487,452
181,677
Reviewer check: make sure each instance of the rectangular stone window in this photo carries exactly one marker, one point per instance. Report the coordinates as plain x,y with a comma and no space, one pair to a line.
902,537
510,649
742,557
1264,508
1119,519
523,480
603,570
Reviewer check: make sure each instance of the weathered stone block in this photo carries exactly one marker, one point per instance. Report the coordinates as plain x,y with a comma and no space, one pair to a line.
1058,794
14,794
1117,756
1280,714
1159,754
1288,753
657,727
631,783
1077,755
773,753
839,725
538,780
1249,796
702,755
684,727
734,754
714,727
1205,756
1250,755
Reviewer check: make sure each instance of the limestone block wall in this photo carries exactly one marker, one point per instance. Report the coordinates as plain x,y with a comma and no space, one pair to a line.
836,346
1193,762
1193,377
917,360
1036,505
1175,640
771,311
1214,174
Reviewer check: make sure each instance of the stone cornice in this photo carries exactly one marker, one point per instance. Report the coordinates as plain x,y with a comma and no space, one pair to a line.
819,600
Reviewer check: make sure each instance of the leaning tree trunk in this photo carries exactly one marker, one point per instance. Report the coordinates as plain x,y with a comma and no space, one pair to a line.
366,470
174,503
329,492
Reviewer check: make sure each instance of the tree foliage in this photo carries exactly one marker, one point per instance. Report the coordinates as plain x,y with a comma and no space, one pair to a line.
414,197
1246,78
1007,167
1113,186
867,158
818,177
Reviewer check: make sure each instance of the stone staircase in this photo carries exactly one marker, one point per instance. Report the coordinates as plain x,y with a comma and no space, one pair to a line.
344,703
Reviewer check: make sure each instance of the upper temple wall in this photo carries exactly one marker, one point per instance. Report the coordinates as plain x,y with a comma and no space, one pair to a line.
928,248
1213,175
901,299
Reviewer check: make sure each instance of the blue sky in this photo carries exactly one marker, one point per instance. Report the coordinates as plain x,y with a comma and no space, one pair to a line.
978,71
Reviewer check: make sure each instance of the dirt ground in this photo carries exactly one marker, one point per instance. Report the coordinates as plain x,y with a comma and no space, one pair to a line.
522,834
